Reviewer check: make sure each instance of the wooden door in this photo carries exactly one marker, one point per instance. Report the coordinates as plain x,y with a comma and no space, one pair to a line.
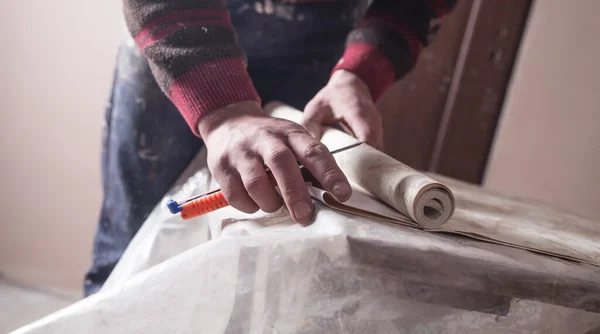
442,116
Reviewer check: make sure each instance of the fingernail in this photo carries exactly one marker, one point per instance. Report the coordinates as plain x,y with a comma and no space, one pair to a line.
302,211
341,189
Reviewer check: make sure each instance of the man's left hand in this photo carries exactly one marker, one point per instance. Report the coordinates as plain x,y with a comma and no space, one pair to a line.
345,99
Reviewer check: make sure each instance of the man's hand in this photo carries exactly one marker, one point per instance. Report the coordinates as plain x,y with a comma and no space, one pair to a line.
242,141
345,99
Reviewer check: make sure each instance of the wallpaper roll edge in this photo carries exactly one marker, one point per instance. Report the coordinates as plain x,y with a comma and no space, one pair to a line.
412,193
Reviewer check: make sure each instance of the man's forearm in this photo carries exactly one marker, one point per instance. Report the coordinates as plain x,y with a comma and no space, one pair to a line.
193,52
389,39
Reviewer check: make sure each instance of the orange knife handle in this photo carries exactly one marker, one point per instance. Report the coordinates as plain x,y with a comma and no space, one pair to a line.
203,205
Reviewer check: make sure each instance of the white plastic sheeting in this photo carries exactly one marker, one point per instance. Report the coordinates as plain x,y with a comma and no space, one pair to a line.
228,272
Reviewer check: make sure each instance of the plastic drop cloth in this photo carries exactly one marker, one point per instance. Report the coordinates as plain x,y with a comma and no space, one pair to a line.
228,272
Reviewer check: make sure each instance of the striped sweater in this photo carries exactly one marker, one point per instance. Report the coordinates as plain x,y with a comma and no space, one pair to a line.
197,61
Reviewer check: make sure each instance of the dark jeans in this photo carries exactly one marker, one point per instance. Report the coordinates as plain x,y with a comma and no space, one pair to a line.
147,144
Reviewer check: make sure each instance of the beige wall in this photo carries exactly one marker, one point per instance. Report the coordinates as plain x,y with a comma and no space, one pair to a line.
548,142
56,64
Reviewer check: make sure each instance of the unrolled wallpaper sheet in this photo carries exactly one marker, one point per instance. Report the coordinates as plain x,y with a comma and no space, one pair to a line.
386,189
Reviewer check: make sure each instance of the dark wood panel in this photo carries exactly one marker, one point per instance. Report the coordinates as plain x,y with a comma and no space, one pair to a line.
477,92
412,109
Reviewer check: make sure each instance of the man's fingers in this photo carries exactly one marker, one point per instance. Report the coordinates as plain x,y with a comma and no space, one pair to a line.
233,189
366,125
259,185
320,162
284,166
363,131
316,114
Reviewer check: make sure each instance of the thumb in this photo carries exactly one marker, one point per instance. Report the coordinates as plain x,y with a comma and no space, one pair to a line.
316,115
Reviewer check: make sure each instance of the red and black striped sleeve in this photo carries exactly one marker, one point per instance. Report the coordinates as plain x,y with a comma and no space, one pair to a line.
388,40
193,52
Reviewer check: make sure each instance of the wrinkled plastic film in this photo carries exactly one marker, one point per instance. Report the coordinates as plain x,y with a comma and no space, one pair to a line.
342,274
229,272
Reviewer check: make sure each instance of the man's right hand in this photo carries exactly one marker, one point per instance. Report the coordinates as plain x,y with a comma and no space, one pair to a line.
242,140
